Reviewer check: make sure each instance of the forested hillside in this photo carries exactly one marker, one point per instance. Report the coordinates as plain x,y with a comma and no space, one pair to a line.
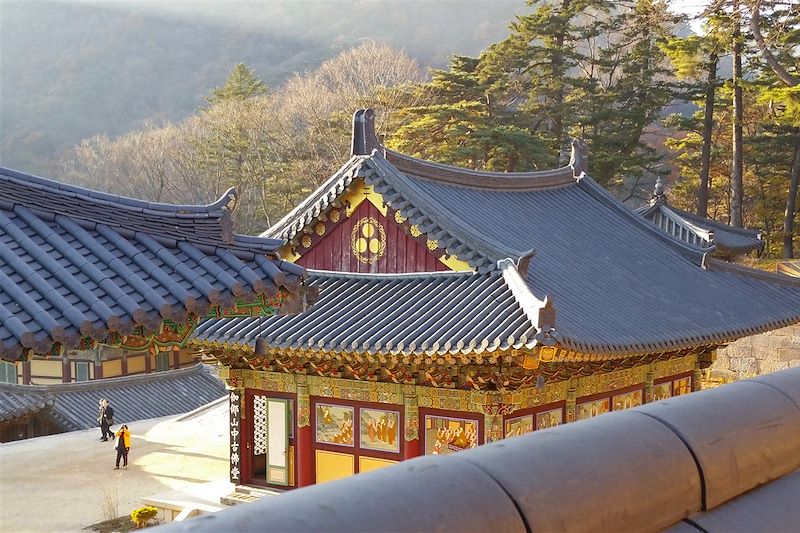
70,70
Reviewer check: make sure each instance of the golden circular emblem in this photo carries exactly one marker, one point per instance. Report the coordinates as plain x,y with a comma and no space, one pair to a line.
368,240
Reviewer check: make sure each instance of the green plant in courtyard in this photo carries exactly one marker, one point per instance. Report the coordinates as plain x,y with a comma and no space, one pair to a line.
143,516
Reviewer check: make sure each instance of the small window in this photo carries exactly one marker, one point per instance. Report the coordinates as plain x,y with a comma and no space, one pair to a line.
162,361
81,371
8,373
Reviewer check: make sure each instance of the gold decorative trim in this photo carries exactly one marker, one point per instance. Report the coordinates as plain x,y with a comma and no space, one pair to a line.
399,218
454,263
432,245
357,193
368,240
319,228
415,231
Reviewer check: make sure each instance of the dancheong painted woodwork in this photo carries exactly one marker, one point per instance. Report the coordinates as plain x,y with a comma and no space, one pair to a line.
459,307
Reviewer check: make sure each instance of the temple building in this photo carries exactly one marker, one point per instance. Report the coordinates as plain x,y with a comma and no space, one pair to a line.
458,307
716,238
94,285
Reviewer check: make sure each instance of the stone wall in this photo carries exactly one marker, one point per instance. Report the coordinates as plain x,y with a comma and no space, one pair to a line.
759,354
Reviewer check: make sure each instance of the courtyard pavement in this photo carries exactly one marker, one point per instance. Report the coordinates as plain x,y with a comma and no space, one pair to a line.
62,483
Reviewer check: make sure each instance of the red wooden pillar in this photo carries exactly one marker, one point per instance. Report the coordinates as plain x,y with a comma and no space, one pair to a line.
124,363
176,358
305,457
98,369
413,448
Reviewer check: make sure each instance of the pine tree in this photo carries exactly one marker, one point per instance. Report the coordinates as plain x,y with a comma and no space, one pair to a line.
242,83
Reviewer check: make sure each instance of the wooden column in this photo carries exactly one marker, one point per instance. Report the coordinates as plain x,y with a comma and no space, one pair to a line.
303,442
124,363
572,394
26,372
648,387
66,367
148,361
413,446
697,378
492,427
98,367
176,357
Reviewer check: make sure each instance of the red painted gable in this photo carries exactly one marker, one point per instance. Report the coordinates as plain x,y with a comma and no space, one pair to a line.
367,241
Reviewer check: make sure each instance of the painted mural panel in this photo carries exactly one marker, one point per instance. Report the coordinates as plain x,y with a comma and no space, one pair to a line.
592,409
627,400
682,386
334,424
519,425
662,391
445,435
549,419
380,430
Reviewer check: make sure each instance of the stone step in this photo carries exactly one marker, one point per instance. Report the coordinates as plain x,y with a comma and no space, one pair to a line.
256,491
235,498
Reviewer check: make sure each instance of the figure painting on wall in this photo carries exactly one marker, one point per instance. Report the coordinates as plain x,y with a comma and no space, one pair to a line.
549,419
380,430
334,424
627,400
519,426
661,391
681,386
444,435
592,409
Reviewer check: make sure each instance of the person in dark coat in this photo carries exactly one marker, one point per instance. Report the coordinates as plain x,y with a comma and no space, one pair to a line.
123,446
105,417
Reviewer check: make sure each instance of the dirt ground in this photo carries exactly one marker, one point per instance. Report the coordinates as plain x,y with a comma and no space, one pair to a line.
64,483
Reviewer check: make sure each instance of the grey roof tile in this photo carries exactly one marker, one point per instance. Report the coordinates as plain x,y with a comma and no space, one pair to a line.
76,263
705,233
73,406
620,284
391,314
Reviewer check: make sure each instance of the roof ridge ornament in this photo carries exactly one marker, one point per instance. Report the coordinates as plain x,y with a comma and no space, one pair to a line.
579,157
659,198
364,139
523,262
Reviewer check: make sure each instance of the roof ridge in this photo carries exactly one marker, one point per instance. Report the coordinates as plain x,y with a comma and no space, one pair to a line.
336,274
453,175
712,263
226,201
749,232
489,251
706,234
692,253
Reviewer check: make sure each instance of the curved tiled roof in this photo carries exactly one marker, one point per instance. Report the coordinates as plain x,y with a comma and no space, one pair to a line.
705,233
456,312
76,263
73,406
621,285
17,402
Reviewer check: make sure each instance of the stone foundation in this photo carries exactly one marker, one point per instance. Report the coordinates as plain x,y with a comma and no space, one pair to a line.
759,354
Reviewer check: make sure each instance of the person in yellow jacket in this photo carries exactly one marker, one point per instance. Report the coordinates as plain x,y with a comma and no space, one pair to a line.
123,446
